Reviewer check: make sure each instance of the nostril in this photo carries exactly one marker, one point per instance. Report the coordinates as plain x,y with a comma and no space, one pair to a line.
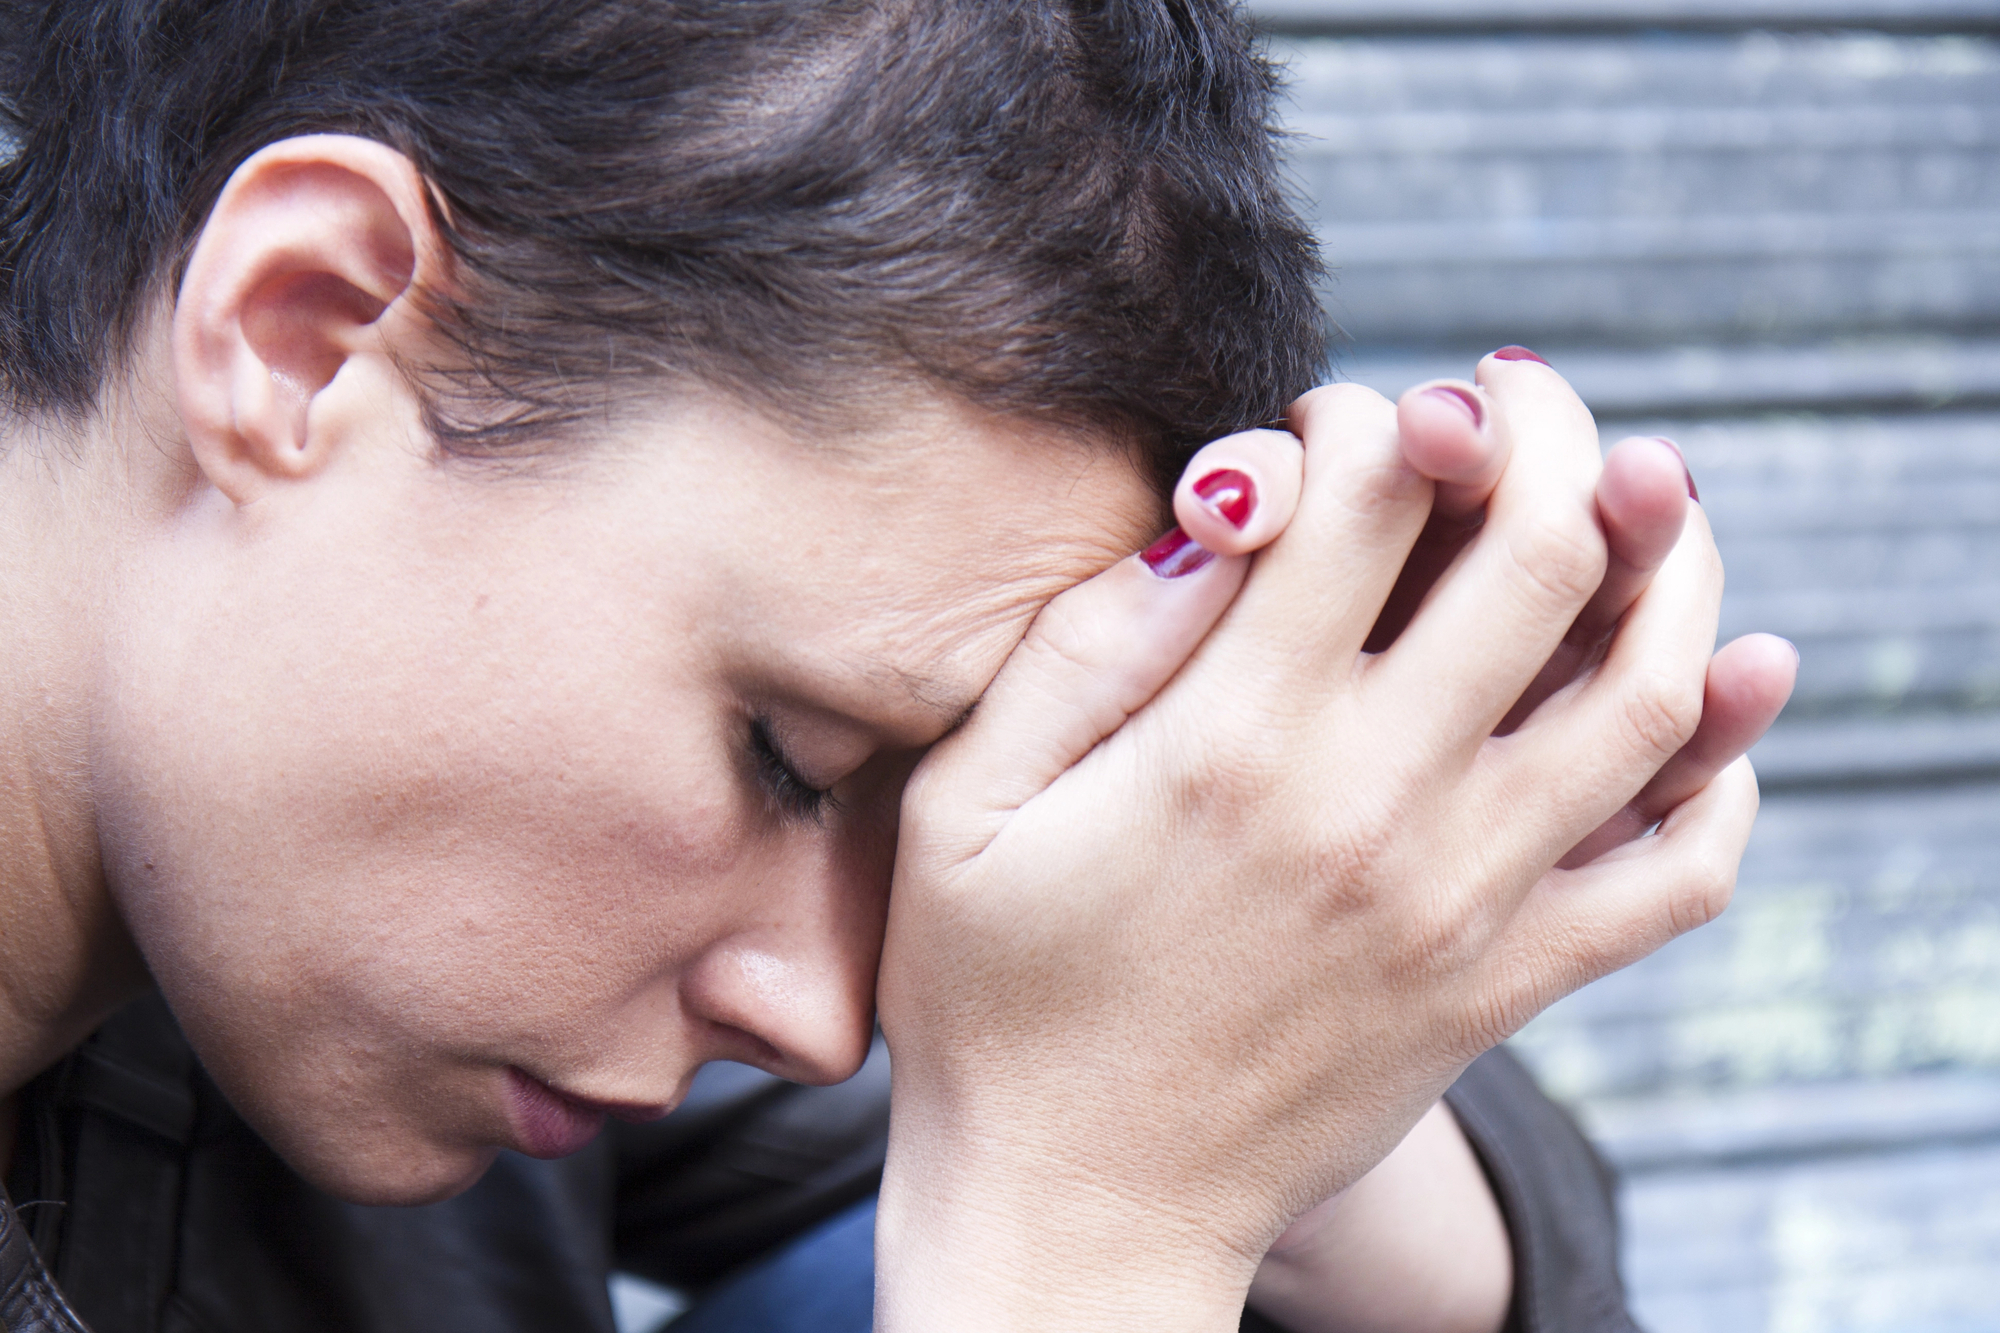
750,1049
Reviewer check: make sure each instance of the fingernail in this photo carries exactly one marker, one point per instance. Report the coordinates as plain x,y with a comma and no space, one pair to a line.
1465,402
1516,354
1229,495
1693,493
1175,554
1796,659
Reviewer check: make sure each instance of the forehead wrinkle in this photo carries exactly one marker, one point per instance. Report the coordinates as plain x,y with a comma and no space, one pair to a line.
942,679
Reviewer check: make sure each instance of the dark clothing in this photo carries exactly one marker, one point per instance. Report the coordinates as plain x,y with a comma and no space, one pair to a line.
29,1302
159,1211
1558,1195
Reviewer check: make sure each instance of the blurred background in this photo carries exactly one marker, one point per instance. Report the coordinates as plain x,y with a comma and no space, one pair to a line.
1769,229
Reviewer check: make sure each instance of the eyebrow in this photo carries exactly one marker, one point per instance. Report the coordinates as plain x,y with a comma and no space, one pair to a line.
937,695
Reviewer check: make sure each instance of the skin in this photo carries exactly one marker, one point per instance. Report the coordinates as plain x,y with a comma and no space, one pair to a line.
1118,1084
374,870
405,778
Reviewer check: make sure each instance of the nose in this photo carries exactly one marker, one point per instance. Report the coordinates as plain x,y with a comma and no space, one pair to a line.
799,1007
790,986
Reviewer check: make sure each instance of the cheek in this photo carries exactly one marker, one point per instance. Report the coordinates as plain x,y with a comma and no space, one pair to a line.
449,906
378,839
474,829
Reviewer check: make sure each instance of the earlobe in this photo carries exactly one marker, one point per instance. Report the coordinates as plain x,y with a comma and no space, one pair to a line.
297,275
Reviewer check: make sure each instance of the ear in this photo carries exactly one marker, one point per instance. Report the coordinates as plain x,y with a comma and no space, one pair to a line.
300,273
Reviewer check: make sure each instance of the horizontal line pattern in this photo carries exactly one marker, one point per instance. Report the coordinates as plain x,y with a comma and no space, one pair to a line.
1723,188
1361,15
1649,130
1959,234
1781,249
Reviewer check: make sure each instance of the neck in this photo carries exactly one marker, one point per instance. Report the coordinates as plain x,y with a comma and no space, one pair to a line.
68,501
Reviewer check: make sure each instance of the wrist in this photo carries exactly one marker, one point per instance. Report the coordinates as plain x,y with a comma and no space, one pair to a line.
987,1231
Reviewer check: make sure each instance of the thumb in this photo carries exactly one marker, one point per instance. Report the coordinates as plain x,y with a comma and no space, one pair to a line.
1093,657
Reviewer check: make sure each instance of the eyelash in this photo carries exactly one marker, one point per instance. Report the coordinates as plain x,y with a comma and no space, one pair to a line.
794,796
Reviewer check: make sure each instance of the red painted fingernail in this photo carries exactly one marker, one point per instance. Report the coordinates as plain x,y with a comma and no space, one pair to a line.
1693,494
1175,554
1228,494
1465,402
1516,354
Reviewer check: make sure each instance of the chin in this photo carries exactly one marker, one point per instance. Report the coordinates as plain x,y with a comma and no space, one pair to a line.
385,1173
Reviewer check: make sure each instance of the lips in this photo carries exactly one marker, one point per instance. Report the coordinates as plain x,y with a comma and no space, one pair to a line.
554,1124
548,1124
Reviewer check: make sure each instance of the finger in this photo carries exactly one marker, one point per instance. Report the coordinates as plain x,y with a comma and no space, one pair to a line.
1578,925
1642,500
1094,656
1440,543
1641,504
1320,586
1444,427
1592,748
1512,596
1238,493
1749,682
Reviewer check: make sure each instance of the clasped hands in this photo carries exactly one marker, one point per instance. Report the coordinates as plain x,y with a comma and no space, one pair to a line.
1232,872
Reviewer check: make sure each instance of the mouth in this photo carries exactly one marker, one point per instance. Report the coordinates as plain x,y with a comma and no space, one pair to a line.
551,1124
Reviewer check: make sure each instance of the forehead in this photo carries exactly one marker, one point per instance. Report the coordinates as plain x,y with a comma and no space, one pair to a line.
900,561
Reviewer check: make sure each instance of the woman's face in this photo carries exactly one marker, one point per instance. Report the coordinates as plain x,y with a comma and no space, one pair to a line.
445,802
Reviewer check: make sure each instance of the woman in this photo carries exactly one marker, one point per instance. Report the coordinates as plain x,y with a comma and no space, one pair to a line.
502,500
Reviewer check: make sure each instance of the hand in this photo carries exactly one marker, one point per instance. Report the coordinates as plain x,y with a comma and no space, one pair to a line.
1449,434
1177,950
1418,1245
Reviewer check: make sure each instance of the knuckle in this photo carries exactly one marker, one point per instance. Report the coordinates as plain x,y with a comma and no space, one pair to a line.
1442,938
1661,713
1703,898
1436,932
1332,417
1561,557
1340,866
1323,407
1069,665
1338,863
1219,793
1063,638
1367,482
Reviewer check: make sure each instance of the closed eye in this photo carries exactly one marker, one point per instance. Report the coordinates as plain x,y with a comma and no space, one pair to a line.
794,797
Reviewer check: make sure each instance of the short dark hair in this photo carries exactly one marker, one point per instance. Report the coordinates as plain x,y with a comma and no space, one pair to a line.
1068,209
